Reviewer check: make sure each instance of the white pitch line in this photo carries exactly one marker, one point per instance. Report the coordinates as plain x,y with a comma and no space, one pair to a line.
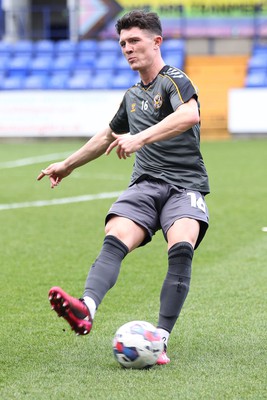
54,202
33,160
264,229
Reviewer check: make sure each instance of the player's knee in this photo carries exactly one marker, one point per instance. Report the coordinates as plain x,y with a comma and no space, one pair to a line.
131,234
183,230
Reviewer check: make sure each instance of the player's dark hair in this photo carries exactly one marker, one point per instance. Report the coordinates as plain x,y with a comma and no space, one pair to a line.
141,19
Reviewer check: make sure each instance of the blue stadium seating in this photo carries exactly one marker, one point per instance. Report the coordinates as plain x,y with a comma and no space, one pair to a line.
2,77
80,81
257,67
124,80
87,64
256,78
106,61
259,48
102,80
65,62
85,60
177,45
5,48
66,46
12,83
4,62
122,63
58,80
21,47
87,46
174,59
43,47
108,45
258,60
19,65
173,52
41,64
35,82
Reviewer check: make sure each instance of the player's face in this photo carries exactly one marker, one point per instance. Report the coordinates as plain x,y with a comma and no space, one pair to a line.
138,46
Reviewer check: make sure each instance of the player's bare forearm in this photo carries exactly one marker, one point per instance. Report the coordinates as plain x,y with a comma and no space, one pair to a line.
93,149
186,116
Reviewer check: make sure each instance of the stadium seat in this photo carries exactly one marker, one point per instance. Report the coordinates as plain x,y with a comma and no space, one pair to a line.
82,71
259,48
102,80
35,82
19,64
64,62
44,47
66,47
174,59
256,78
177,45
85,60
87,46
23,47
173,52
257,67
6,48
4,62
12,83
122,63
41,64
108,45
80,81
258,60
58,81
106,61
124,80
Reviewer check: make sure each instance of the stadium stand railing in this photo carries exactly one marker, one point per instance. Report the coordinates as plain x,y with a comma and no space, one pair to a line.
88,64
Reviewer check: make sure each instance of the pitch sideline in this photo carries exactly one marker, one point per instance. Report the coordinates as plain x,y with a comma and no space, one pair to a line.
33,160
54,202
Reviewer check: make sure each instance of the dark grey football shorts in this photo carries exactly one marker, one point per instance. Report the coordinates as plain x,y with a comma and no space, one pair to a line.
155,204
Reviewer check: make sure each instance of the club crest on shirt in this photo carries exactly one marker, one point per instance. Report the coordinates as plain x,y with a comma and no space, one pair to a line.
158,101
133,109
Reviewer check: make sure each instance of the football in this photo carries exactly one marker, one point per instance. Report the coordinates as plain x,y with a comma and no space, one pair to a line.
137,345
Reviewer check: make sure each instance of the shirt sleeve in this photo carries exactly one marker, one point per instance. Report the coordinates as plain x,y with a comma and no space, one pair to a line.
119,124
181,90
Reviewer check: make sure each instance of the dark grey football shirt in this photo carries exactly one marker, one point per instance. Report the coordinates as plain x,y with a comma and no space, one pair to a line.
177,160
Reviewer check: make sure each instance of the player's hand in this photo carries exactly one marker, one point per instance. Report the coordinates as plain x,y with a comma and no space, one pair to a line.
56,172
126,145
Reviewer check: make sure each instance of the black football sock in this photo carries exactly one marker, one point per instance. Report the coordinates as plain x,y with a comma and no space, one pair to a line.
176,284
105,270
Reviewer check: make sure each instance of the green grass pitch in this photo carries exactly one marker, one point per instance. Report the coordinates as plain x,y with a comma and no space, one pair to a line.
218,347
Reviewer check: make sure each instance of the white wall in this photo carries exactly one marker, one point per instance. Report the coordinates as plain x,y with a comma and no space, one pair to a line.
56,113
247,111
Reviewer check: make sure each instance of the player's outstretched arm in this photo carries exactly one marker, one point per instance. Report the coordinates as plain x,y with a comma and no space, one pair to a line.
93,149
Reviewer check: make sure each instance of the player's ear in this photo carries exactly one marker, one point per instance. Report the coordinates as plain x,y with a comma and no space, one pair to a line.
157,41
